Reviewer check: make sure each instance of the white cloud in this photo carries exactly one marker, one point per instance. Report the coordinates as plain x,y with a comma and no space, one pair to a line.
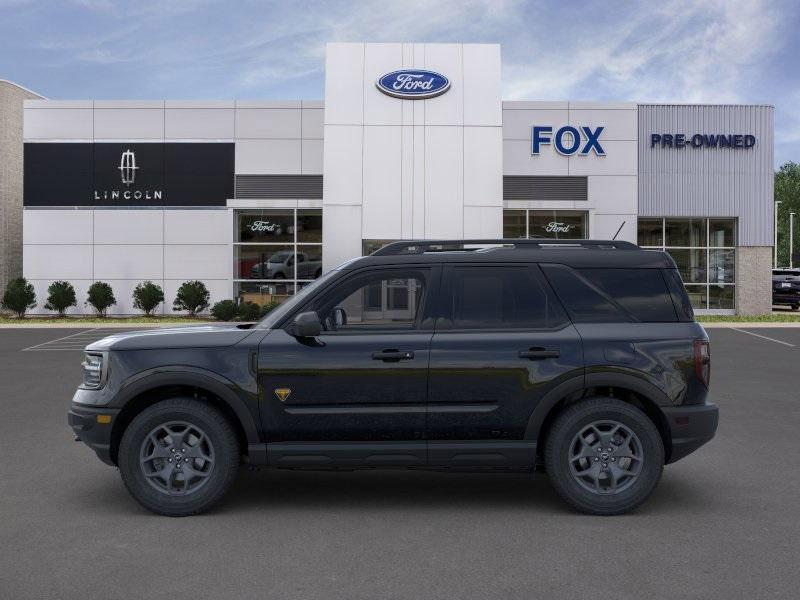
686,51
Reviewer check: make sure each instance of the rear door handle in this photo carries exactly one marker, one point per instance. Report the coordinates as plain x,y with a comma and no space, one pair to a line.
538,353
393,355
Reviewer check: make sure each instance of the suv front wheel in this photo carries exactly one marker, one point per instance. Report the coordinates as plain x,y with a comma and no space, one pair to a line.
178,457
604,456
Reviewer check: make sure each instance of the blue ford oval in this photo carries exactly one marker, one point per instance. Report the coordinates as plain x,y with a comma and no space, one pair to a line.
413,84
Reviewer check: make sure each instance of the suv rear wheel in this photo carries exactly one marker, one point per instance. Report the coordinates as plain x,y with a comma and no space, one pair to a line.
604,456
178,457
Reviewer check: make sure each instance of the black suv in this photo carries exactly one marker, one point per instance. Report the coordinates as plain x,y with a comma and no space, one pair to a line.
582,358
786,288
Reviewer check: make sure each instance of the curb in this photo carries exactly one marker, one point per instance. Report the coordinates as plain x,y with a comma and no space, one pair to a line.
68,325
751,325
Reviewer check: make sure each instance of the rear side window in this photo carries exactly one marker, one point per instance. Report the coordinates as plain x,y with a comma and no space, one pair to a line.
683,306
612,295
492,297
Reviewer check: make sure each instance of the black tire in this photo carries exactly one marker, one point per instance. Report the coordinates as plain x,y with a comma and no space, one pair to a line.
565,433
795,306
220,472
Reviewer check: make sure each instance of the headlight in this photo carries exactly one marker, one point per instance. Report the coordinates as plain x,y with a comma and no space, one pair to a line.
95,366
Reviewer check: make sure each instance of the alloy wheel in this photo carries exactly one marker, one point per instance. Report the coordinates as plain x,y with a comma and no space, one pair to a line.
605,457
177,458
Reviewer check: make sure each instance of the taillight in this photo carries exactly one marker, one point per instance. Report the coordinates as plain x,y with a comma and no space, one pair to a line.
702,361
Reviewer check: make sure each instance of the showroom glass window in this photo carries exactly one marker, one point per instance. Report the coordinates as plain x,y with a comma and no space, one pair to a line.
276,251
705,252
552,224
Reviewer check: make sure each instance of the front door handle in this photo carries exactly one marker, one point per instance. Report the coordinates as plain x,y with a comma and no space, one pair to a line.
538,353
393,355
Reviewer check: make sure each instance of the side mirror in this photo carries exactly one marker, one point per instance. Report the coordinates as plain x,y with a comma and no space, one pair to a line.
305,325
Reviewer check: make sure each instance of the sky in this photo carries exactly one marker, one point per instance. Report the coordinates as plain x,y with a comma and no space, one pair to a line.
712,51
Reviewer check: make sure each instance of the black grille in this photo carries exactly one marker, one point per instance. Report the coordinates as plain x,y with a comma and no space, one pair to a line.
279,186
524,187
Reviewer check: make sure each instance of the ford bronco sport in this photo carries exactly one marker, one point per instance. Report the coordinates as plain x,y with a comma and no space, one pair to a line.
581,358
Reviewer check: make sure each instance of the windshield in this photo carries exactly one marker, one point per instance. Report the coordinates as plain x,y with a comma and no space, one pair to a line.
279,257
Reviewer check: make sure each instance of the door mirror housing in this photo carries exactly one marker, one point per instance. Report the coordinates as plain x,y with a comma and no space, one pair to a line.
305,325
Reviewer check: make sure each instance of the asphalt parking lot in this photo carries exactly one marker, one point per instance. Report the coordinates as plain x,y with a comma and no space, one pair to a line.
724,522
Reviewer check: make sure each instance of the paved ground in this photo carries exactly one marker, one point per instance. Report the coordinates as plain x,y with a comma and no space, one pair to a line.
724,523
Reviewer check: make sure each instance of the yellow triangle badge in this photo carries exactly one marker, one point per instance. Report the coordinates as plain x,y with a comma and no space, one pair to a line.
282,393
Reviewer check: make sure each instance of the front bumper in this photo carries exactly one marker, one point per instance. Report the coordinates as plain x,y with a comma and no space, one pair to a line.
690,427
93,432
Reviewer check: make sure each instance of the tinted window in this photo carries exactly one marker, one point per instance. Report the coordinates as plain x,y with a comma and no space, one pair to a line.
584,302
603,295
500,298
642,292
680,298
384,300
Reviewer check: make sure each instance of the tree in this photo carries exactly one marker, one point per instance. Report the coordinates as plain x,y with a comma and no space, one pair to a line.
787,191
268,308
147,296
192,296
224,310
19,296
100,296
248,311
60,296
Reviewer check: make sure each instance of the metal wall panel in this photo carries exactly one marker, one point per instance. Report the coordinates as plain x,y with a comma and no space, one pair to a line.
699,182
307,187
545,188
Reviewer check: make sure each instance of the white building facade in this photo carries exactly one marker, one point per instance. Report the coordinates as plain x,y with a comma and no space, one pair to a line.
256,199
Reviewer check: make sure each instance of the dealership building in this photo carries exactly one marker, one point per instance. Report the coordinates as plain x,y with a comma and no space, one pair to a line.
257,198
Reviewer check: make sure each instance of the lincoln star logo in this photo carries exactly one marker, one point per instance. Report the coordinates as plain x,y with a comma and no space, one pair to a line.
413,84
127,173
282,393
127,167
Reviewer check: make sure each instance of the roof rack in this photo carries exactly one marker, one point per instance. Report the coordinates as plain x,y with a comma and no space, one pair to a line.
423,246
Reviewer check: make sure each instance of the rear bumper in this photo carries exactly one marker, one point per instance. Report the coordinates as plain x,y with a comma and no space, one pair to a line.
83,422
786,296
690,427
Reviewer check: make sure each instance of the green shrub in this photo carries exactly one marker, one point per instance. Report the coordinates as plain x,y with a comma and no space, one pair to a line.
248,311
19,296
60,296
268,308
192,296
101,297
224,310
147,296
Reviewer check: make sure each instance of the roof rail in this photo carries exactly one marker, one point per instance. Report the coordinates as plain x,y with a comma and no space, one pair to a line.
422,246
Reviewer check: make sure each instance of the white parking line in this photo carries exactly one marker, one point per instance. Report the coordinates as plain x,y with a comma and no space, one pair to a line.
763,337
75,341
58,339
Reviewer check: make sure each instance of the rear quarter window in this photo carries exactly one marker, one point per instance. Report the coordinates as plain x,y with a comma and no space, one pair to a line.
599,295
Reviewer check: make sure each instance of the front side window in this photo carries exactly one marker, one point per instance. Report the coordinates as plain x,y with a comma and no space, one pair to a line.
492,297
386,300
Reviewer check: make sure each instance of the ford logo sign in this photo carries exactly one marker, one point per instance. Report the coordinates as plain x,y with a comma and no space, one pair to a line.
413,84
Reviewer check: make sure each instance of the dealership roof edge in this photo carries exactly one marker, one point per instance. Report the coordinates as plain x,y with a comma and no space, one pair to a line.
22,87
43,102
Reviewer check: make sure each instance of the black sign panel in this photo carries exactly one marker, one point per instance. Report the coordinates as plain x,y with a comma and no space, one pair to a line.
128,174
